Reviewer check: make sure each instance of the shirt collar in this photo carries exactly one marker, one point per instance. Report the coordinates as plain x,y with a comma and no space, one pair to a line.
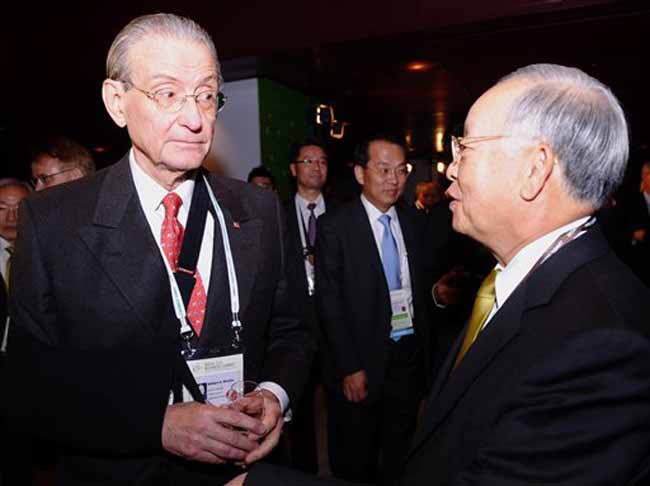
373,213
302,202
510,276
151,193
4,244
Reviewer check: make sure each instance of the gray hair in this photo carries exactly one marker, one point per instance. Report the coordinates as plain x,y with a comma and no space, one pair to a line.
161,24
581,120
10,181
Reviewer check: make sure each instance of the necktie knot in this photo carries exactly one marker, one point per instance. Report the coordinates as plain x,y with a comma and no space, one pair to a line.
384,219
311,206
172,203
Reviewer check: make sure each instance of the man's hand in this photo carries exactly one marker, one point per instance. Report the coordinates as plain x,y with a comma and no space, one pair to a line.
206,433
355,386
238,481
273,422
446,290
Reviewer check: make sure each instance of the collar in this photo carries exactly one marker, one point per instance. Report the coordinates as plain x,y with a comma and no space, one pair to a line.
374,213
151,193
510,276
4,244
302,202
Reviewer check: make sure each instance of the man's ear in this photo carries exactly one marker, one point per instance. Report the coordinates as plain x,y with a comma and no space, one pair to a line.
359,174
113,96
292,169
539,167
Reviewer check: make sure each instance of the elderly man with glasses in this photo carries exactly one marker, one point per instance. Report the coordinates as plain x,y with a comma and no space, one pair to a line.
148,290
549,382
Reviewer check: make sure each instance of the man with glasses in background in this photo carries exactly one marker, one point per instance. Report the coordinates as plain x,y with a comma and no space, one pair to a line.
134,280
372,302
308,166
58,160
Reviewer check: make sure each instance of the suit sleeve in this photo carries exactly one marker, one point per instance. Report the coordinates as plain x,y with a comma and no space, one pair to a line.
291,347
101,401
331,297
586,406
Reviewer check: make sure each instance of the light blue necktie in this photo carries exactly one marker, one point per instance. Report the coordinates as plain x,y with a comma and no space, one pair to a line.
390,255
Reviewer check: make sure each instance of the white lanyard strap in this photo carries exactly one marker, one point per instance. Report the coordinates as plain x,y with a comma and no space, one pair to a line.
177,299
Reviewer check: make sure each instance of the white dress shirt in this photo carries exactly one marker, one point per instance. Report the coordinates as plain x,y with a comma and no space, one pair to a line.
4,258
378,232
151,194
509,277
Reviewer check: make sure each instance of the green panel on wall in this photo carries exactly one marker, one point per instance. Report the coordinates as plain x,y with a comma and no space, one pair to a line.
283,120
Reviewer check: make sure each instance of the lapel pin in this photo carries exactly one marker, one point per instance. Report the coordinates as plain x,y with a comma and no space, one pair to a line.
235,224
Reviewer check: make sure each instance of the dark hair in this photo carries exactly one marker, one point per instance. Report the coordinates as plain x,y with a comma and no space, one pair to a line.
261,171
295,148
67,151
361,155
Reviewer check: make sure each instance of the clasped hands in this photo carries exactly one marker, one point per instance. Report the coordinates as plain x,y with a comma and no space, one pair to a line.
216,435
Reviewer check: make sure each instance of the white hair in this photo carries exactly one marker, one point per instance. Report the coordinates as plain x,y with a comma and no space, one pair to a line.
161,24
581,120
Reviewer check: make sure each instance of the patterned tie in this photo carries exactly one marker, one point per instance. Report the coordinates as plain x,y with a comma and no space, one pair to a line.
485,299
390,255
172,238
311,225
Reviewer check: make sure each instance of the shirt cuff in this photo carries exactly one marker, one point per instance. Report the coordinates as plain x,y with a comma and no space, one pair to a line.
280,394
433,295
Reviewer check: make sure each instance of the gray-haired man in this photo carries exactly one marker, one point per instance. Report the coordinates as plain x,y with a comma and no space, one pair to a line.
549,383
113,289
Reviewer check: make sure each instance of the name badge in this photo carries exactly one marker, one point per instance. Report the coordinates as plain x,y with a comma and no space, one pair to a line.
401,321
214,376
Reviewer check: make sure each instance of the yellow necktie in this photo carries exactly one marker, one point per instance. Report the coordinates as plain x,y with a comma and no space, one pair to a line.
483,304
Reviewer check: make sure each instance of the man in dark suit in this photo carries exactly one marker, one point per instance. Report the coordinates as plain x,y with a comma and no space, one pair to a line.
15,447
372,301
550,381
95,353
308,166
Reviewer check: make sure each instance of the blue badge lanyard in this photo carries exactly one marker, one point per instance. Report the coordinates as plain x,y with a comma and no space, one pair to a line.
177,300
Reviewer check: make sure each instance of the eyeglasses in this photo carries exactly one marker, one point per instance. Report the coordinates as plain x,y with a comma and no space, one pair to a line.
45,178
459,144
384,172
313,162
172,101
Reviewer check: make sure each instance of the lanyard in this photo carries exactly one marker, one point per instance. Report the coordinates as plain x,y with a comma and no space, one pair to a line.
559,242
179,307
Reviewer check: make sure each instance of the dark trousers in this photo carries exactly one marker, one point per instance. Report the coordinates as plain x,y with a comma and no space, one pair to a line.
302,429
368,442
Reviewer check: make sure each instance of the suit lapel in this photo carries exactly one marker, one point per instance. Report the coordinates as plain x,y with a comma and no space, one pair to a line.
537,290
364,246
121,240
244,232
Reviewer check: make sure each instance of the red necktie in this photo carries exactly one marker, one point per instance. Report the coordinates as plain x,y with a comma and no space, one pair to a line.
171,238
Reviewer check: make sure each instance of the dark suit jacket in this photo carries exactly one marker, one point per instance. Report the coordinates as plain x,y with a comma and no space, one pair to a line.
556,389
296,265
353,297
92,350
